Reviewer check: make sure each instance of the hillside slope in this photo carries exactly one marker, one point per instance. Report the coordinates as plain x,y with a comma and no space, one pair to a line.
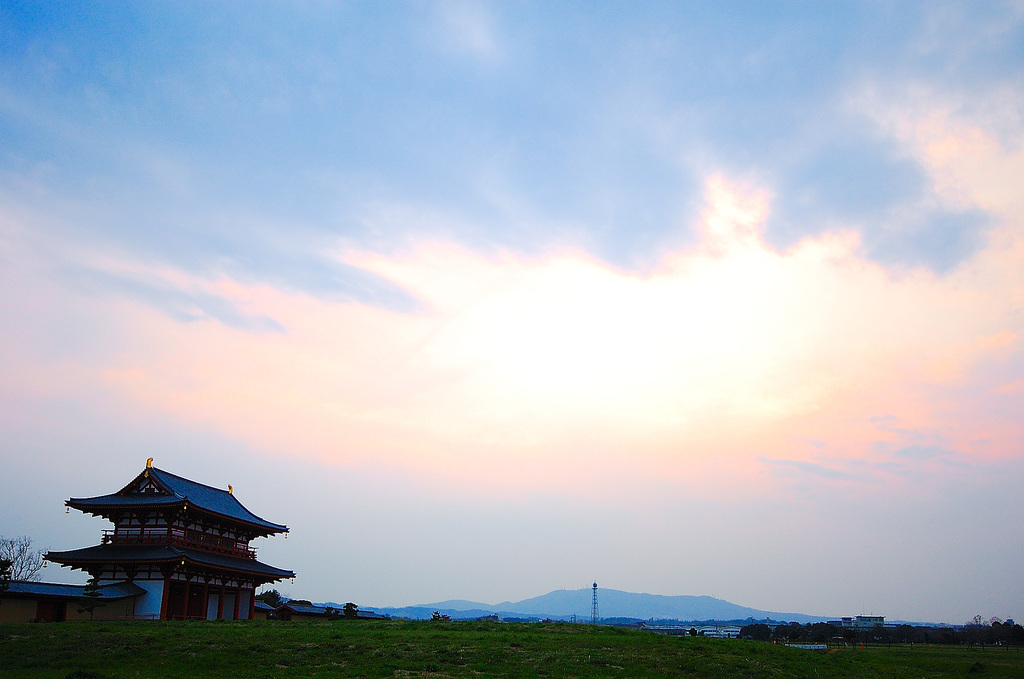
564,603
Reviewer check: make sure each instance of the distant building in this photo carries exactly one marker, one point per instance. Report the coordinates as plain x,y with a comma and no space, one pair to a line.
261,611
717,631
724,631
288,611
185,545
860,622
304,611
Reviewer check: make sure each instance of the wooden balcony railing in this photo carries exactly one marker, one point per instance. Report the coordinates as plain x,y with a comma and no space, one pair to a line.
179,537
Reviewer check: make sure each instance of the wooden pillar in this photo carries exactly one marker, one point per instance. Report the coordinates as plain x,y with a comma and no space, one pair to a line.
188,588
238,600
166,596
220,603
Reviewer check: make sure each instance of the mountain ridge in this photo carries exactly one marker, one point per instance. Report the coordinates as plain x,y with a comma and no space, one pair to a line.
564,604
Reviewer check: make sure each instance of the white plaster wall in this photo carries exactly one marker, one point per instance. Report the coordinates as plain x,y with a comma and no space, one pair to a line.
243,605
148,605
211,606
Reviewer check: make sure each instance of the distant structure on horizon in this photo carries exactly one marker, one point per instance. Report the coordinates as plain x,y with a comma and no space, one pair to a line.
182,544
593,607
860,622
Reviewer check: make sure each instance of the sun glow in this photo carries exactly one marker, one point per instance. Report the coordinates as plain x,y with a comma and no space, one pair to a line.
730,350
521,370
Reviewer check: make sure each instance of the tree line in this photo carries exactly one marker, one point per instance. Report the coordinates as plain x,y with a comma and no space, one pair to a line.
273,598
977,632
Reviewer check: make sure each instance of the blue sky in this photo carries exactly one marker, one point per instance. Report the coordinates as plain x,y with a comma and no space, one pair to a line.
731,251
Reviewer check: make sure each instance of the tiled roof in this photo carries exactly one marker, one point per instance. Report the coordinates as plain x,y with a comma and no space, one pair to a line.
165,553
179,491
115,590
308,610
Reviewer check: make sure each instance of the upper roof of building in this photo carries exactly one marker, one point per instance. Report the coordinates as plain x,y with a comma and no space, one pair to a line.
156,488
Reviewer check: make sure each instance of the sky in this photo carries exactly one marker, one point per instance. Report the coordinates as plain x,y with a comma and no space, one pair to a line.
484,300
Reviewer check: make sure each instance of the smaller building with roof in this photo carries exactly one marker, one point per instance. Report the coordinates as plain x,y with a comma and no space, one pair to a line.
27,601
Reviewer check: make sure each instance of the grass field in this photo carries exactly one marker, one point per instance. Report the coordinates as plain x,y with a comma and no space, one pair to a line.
85,650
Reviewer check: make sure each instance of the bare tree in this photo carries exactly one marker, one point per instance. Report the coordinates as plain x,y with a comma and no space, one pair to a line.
25,561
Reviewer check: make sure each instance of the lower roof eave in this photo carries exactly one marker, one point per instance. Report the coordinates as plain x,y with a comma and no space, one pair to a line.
109,554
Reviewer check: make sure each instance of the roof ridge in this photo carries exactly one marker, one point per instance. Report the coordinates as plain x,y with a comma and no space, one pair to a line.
174,490
222,492
194,483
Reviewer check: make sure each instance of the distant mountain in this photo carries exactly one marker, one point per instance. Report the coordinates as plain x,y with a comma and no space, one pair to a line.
562,604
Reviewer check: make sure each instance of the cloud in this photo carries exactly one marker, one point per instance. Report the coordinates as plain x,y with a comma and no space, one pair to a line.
785,467
762,285
924,464
181,305
924,453
467,27
509,365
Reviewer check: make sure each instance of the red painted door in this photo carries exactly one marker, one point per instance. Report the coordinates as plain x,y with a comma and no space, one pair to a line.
197,602
176,601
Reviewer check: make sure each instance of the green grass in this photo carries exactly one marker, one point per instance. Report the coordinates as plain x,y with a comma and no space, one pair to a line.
83,650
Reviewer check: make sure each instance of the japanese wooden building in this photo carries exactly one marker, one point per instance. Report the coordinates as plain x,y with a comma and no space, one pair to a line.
184,543
29,601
